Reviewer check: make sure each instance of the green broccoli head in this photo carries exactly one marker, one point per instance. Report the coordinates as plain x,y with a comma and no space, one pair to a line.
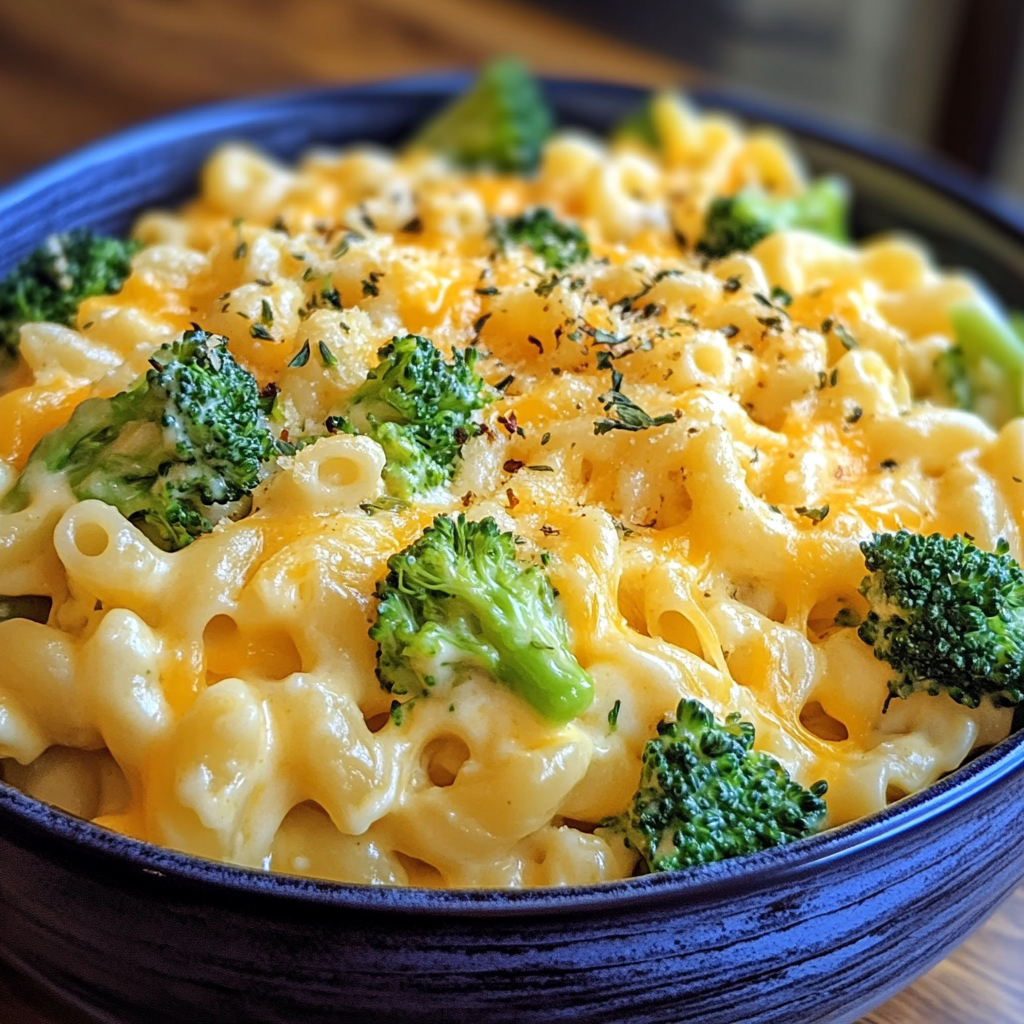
639,126
420,409
500,122
49,284
706,795
947,616
460,599
189,435
559,245
739,222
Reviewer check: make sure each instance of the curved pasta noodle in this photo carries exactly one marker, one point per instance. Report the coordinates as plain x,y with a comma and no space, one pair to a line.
334,475
107,559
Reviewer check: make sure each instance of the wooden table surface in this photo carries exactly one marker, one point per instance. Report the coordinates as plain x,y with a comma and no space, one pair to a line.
72,70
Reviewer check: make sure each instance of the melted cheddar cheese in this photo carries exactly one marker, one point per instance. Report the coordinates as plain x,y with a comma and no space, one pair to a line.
222,700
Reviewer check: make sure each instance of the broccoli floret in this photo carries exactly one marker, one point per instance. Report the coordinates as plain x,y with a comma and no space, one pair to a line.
461,599
420,410
706,795
984,370
639,126
500,122
947,616
739,222
559,245
191,434
49,284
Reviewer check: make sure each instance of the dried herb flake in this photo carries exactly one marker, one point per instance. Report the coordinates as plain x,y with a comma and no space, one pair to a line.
816,515
301,357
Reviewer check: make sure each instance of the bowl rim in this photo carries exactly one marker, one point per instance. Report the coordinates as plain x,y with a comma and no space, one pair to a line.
113,852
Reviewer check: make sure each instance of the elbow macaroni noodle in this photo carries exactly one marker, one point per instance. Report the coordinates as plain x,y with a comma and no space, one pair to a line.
222,699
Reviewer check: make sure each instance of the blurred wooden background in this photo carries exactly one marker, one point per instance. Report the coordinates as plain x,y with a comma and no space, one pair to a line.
74,70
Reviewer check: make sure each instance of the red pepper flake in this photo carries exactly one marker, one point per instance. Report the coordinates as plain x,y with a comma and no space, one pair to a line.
549,531
509,422
512,499
513,465
467,499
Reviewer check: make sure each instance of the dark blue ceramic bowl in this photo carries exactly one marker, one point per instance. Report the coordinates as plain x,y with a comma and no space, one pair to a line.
819,931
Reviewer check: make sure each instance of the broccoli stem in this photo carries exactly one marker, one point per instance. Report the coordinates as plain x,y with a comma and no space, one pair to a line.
983,333
824,209
531,659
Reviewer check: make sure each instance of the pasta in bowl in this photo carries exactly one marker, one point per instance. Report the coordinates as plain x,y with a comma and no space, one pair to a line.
659,403
139,932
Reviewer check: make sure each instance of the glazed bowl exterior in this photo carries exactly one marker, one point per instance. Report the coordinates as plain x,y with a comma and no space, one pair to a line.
818,931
